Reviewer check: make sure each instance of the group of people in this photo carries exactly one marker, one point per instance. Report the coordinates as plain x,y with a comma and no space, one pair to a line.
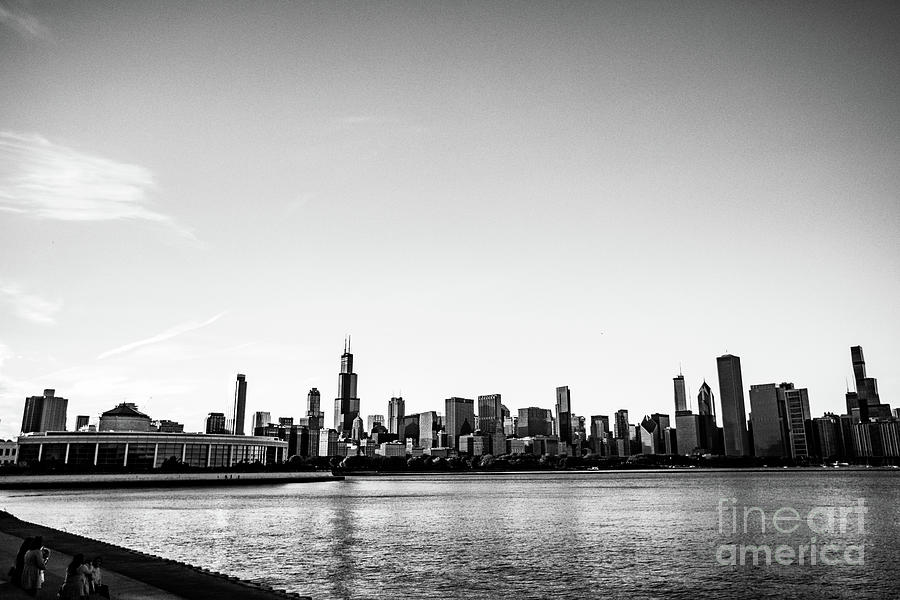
83,577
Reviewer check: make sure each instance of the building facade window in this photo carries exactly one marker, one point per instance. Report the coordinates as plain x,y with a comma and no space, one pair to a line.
195,455
140,455
111,455
81,454
218,455
54,452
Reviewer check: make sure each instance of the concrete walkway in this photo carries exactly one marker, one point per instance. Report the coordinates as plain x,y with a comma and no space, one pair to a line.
121,587
128,573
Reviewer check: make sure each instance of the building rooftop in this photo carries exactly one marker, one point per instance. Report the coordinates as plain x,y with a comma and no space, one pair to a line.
123,410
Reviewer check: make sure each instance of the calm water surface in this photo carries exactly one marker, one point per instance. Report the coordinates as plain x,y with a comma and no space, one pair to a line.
560,535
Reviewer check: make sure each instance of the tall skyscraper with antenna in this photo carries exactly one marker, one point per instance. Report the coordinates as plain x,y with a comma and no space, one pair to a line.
346,405
680,394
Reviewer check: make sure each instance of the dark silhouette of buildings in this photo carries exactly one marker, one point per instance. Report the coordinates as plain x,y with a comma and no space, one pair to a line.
409,427
865,403
81,421
346,405
240,404
534,421
460,418
731,395
44,413
767,419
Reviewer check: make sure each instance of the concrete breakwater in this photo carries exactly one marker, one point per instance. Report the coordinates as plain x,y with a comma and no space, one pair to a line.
176,579
120,480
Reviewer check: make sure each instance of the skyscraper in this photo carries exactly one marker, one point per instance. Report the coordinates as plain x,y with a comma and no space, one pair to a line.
796,417
44,413
356,431
240,404
346,405
620,425
534,421
767,417
651,436
460,418
215,423
396,412
315,416
680,394
81,421
731,395
371,420
599,434
706,401
261,419
708,431
689,438
409,428
429,425
490,414
564,414
865,403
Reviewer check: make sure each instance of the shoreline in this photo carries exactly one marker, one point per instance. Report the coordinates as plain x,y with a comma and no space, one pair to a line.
620,471
180,579
162,480
200,479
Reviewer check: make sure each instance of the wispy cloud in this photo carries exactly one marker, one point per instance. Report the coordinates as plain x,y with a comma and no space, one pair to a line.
30,307
14,16
161,337
49,181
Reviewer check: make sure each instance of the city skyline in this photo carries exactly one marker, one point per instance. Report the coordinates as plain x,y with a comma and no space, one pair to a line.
728,363
497,197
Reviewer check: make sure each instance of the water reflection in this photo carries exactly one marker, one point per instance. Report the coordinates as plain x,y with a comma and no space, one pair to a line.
641,535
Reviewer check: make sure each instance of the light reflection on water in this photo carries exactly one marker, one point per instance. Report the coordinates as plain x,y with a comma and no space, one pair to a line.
562,535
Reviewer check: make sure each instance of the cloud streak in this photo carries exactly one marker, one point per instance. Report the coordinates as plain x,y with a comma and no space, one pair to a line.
22,22
29,306
161,337
45,180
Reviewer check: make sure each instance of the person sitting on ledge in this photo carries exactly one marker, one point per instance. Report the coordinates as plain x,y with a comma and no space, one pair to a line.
77,585
16,571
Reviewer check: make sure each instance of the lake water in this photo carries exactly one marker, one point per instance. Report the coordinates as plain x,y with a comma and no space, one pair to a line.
554,535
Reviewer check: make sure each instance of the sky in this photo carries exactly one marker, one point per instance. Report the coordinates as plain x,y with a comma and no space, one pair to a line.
498,197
